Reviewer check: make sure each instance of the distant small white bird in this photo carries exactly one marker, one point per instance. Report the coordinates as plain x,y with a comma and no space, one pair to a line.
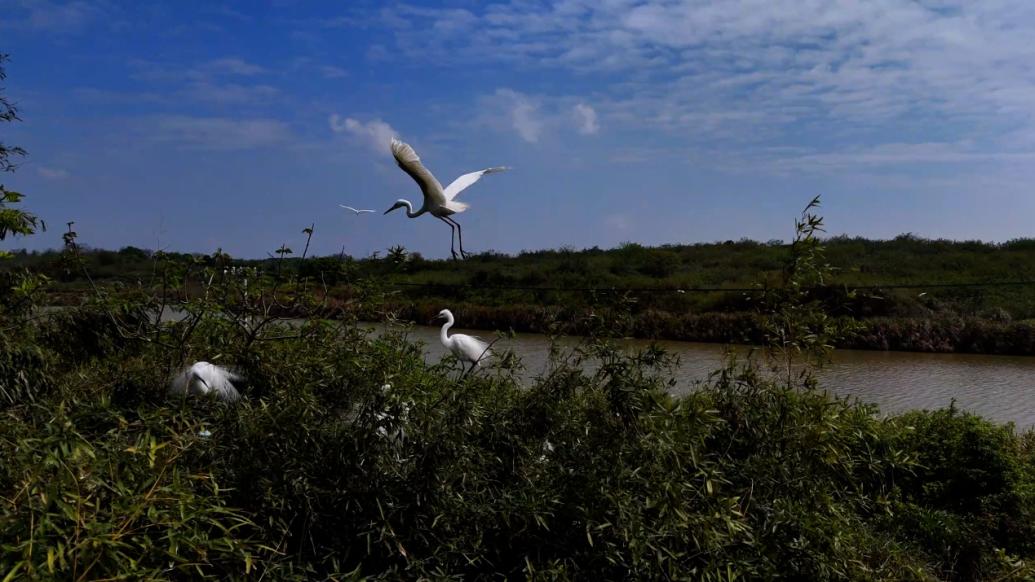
466,348
355,210
204,379
438,201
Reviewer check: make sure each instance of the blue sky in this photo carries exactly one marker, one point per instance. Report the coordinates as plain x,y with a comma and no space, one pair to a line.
194,125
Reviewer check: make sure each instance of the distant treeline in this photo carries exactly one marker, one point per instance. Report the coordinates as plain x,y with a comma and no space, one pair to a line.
660,288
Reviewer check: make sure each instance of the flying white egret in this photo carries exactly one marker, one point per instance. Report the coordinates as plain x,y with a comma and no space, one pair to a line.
204,379
439,202
355,210
466,348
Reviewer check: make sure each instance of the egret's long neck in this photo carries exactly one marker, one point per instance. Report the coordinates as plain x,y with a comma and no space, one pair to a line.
445,328
409,210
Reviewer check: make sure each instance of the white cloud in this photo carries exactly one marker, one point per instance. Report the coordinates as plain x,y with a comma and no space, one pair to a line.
531,117
332,72
52,173
586,119
220,133
894,154
227,12
229,93
210,81
204,71
524,117
51,17
375,133
507,110
231,66
750,71
108,97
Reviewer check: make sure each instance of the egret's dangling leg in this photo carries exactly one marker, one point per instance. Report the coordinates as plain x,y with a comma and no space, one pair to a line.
452,236
460,235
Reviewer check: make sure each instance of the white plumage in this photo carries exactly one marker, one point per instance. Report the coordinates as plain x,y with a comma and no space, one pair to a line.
438,201
467,348
205,379
356,211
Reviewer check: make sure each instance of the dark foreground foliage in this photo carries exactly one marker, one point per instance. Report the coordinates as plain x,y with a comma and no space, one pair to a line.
350,457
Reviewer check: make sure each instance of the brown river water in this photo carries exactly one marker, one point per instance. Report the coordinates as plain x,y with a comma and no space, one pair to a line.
1000,388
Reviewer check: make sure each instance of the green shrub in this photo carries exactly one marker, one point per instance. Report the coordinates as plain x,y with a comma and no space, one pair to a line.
972,491
321,473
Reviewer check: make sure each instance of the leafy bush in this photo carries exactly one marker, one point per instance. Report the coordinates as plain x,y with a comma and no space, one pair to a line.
972,490
320,472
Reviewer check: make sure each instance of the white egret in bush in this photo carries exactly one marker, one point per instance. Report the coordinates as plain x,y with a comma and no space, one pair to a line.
387,419
355,210
438,201
466,348
206,379
547,449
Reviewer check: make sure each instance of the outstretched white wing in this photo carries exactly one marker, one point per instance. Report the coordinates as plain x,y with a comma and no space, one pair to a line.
461,183
355,210
409,161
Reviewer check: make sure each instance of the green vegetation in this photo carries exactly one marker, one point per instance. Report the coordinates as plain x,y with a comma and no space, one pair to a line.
576,476
657,289
350,457
13,220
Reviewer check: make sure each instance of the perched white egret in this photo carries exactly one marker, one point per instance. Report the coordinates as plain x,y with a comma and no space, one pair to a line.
466,348
203,379
356,211
438,201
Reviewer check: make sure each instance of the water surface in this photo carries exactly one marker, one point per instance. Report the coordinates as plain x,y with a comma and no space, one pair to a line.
1001,388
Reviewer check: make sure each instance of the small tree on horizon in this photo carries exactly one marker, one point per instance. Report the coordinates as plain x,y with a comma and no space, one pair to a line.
13,221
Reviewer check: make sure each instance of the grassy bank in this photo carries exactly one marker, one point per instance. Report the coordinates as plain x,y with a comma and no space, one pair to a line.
940,334
936,333
656,290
